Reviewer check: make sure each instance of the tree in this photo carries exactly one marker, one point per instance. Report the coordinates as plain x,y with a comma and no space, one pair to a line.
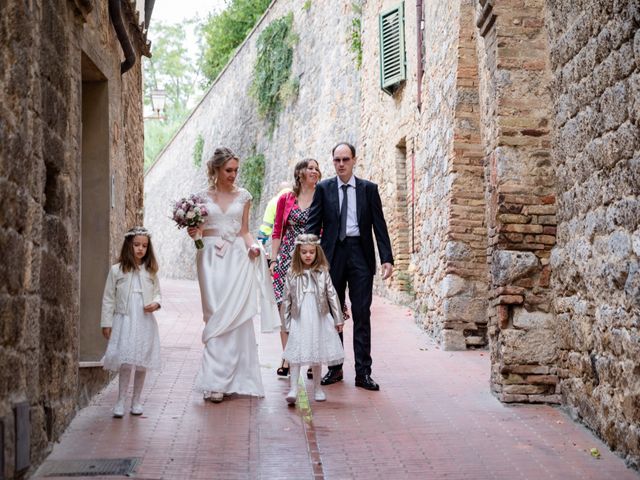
225,31
172,69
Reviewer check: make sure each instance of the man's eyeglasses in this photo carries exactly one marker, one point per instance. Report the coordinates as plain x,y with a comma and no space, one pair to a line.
341,160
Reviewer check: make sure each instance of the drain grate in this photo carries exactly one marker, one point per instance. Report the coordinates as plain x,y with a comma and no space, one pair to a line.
91,467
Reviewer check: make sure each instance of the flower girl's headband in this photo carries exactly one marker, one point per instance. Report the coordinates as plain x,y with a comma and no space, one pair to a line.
138,231
307,239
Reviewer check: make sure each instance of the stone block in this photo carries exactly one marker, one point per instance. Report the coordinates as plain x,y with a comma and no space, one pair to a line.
507,266
475,341
613,106
458,251
526,369
451,340
529,320
12,268
13,311
512,378
542,379
464,308
550,398
520,389
634,94
513,398
453,285
528,346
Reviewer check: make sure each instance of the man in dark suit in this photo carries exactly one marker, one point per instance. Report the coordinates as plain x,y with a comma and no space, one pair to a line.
347,210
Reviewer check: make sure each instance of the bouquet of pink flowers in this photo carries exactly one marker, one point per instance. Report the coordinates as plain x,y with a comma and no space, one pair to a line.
190,212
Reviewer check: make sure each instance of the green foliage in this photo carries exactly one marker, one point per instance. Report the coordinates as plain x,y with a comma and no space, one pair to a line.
173,70
252,175
225,31
198,147
407,278
157,134
307,5
272,69
356,34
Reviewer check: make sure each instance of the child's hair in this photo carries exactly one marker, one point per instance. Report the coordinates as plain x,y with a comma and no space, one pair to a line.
127,258
320,262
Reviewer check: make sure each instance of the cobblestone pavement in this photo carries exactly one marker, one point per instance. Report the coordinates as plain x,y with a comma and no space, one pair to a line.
433,418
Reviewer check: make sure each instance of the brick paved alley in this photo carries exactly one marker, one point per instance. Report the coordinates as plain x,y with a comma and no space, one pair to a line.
433,418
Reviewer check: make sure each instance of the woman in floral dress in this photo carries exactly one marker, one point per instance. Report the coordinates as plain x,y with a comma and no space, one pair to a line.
291,220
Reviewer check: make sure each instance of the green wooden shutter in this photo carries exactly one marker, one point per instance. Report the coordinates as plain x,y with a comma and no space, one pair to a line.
393,68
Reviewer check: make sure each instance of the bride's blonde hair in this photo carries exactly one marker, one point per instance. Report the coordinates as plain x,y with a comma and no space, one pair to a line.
220,156
320,263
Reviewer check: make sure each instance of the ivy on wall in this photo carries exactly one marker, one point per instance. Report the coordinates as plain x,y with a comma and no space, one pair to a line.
272,85
356,34
252,175
198,148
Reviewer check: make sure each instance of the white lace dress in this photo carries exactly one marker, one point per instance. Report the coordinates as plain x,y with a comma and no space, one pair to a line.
232,289
313,339
134,336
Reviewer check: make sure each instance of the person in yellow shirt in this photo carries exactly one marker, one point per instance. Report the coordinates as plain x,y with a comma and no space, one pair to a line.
264,233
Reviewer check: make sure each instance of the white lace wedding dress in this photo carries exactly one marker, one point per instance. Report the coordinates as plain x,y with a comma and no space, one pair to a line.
233,289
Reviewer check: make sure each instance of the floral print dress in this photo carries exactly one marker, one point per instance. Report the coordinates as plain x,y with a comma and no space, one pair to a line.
296,224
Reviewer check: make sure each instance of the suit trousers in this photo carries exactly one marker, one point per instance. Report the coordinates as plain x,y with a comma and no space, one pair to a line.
349,268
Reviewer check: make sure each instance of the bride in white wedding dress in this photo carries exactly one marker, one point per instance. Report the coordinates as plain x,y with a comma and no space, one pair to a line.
234,286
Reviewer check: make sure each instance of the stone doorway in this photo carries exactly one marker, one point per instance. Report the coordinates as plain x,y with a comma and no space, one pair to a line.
95,205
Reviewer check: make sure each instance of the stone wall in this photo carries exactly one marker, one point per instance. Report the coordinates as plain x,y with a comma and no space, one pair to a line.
324,112
42,70
428,162
595,59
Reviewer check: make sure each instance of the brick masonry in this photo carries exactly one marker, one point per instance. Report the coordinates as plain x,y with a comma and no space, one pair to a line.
40,199
520,195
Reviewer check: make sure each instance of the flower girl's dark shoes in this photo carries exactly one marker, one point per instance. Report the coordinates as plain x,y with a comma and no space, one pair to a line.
332,376
283,371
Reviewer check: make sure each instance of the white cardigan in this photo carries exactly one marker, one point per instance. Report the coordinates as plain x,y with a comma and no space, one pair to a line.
117,292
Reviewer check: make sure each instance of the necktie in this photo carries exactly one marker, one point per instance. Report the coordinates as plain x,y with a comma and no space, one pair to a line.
343,213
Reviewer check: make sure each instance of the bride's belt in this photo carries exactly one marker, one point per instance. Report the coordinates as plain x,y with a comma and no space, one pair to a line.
223,243
212,232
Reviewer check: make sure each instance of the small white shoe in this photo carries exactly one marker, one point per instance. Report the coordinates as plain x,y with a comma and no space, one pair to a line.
118,409
136,409
319,395
292,396
216,397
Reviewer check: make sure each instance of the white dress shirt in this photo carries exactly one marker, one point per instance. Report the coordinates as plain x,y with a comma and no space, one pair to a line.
352,212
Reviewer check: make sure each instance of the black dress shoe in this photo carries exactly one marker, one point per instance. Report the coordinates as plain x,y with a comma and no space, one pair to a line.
365,381
331,377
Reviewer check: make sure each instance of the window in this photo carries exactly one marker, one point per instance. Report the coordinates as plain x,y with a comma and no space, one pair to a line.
392,55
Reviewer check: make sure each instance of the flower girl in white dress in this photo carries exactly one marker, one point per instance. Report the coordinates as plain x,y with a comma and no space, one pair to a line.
312,315
131,295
